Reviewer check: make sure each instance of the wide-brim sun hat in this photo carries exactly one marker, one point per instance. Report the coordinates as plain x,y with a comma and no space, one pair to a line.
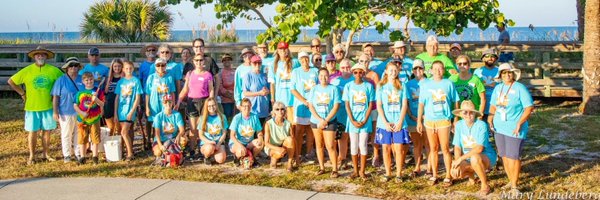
467,105
143,51
69,61
398,44
358,66
225,56
489,52
245,51
40,49
509,67
418,63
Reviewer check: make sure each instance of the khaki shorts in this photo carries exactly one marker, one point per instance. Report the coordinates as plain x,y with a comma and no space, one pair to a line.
85,132
437,124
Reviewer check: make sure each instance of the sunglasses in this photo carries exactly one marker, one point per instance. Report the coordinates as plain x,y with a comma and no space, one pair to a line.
315,45
363,61
151,50
198,60
73,65
339,52
506,72
417,68
462,64
489,56
165,52
161,65
279,109
358,72
319,59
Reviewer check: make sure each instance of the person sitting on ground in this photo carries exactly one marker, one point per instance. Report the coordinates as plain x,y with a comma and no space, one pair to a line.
279,140
245,126
473,153
213,128
166,124
88,105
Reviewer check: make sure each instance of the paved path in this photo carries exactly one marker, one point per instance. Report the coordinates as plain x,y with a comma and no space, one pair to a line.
127,188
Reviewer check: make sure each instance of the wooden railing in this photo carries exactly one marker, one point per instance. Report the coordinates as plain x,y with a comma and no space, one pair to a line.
550,69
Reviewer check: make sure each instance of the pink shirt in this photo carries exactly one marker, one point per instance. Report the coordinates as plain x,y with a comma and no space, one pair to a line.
227,85
198,84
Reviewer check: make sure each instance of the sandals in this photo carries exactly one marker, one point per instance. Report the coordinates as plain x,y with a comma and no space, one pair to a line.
49,159
334,174
320,172
506,187
447,182
399,179
414,174
432,180
485,192
353,175
386,178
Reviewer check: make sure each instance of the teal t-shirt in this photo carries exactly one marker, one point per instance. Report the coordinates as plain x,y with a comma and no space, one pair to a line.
323,99
487,77
510,104
468,89
127,90
282,79
438,97
428,61
156,88
359,97
413,92
340,82
391,103
468,137
240,73
303,82
215,127
244,129
167,124
174,69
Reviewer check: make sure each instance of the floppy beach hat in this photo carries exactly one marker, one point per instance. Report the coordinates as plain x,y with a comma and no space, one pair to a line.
283,45
255,59
245,51
489,52
358,66
226,56
467,105
418,63
40,49
456,45
145,48
509,67
71,61
398,44
302,54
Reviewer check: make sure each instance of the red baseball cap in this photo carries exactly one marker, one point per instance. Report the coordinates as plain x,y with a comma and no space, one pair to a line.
255,59
282,45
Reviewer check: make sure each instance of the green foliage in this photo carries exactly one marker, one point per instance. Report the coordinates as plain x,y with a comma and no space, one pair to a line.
126,21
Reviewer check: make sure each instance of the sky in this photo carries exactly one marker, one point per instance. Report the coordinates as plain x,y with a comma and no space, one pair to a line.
67,15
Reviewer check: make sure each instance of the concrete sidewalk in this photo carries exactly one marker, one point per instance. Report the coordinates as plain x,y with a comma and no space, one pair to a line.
127,188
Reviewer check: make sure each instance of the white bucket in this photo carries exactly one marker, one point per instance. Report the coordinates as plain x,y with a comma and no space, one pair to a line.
112,147
104,134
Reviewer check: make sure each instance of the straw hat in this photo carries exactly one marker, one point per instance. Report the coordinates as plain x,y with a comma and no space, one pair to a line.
245,51
226,56
358,66
40,49
71,60
467,105
143,51
398,44
509,67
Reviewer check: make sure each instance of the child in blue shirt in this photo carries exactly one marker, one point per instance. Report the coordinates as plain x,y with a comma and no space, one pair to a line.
128,96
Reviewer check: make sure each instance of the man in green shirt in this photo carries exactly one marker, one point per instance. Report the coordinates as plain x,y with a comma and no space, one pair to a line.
468,86
432,54
38,78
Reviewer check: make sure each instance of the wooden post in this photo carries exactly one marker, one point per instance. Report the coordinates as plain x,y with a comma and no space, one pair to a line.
546,75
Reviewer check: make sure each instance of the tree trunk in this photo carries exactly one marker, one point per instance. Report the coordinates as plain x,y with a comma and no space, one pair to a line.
334,38
580,18
349,42
591,60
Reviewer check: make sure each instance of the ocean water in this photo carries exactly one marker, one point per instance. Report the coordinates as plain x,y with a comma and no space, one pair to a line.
565,33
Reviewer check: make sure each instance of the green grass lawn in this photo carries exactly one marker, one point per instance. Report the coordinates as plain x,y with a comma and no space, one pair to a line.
562,154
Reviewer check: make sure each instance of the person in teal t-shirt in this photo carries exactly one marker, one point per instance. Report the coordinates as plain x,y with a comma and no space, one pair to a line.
128,96
391,131
468,86
432,55
213,129
168,127
343,138
304,79
157,86
436,101
324,102
245,126
487,74
359,97
419,140
240,73
473,153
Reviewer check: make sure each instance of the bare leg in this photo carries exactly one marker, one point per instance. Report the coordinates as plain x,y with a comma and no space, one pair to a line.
318,136
329,137
444,141
32,142
433,150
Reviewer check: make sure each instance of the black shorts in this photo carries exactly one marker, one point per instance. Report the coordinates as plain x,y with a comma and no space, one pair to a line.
128,121
109,106
195,106
331,126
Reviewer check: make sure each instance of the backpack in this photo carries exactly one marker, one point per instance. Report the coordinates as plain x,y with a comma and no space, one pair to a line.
247,161
173,156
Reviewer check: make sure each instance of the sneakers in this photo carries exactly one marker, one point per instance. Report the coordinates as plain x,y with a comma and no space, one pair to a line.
67,159
80,160
95,160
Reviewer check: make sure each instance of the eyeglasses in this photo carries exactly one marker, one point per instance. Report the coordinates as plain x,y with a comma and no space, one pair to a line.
417,68
161,65
506,72
198,60
363,61
197,46
462,64
318,59
150,50
165,52
358,72
315,46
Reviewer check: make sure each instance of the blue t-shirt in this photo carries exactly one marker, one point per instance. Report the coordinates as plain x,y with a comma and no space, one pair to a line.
303,82
438,97
98,71
240,73
66,90
267,64
359,97
254,82
323,99
391,103
244,129
413,92
168,124
174,69
127,90
144,71
156,88
467,138
215,127
340,82
510,105
283,85
487,77
377,66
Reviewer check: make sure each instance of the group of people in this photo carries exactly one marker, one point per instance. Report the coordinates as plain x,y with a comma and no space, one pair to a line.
297,108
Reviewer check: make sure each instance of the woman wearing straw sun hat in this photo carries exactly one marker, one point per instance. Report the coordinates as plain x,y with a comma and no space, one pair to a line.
473,153
511,106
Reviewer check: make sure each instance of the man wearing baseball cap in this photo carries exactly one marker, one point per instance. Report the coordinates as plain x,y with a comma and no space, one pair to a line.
487,73
38,78
376,65
95,67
